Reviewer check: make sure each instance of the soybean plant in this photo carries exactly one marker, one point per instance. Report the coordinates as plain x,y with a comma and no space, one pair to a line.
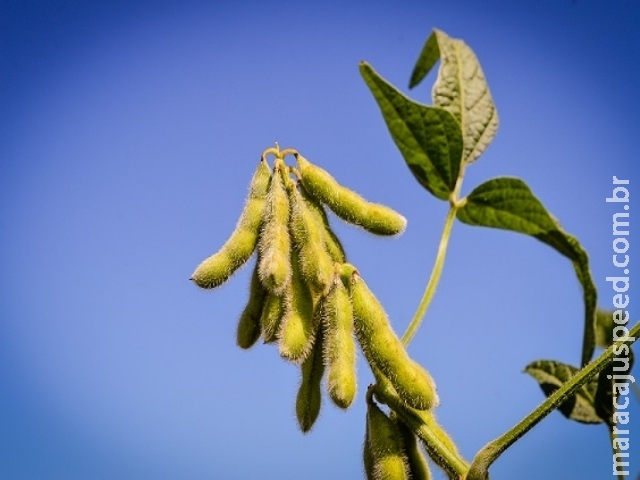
306,297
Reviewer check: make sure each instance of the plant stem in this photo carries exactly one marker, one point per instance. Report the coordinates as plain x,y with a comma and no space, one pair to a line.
490,452
434,279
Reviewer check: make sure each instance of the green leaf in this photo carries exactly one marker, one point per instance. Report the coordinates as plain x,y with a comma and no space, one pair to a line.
429,55
509,204
429,138
550,375
461,89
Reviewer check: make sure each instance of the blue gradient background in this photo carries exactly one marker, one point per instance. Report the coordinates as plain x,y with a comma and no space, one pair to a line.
128,135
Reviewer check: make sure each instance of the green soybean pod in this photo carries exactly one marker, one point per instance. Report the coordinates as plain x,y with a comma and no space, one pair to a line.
316,265
331,241
216,269
249,325
366,455
415,459
275,243
384,351
309,398
274,309
297,328
386,450
347,204
334,246
339,344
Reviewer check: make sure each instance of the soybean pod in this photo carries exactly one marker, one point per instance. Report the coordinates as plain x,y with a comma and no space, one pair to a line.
384,351
339,344
316,265
216,269
274,309
275,243
331,241
386,456
347,204
249,325
309,398
366,455
297,327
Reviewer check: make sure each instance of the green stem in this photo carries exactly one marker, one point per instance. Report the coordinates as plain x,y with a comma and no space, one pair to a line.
434,279
490,452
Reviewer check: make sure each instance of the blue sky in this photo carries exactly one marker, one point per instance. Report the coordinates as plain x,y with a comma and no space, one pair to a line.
128,135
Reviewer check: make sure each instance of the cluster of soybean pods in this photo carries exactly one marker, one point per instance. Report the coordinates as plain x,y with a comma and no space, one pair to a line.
305,297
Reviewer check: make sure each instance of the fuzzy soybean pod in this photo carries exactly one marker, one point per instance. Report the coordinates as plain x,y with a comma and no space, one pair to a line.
384,447
339,344
316,265
347,204
273,311
330,239
297,327
384,351
216,269
366,455
309,398
249,325
415,459
275,243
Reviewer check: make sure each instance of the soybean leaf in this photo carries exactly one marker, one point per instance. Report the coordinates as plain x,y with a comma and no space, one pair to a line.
609,388
461,89
551,375
429,138
509,204
429,55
